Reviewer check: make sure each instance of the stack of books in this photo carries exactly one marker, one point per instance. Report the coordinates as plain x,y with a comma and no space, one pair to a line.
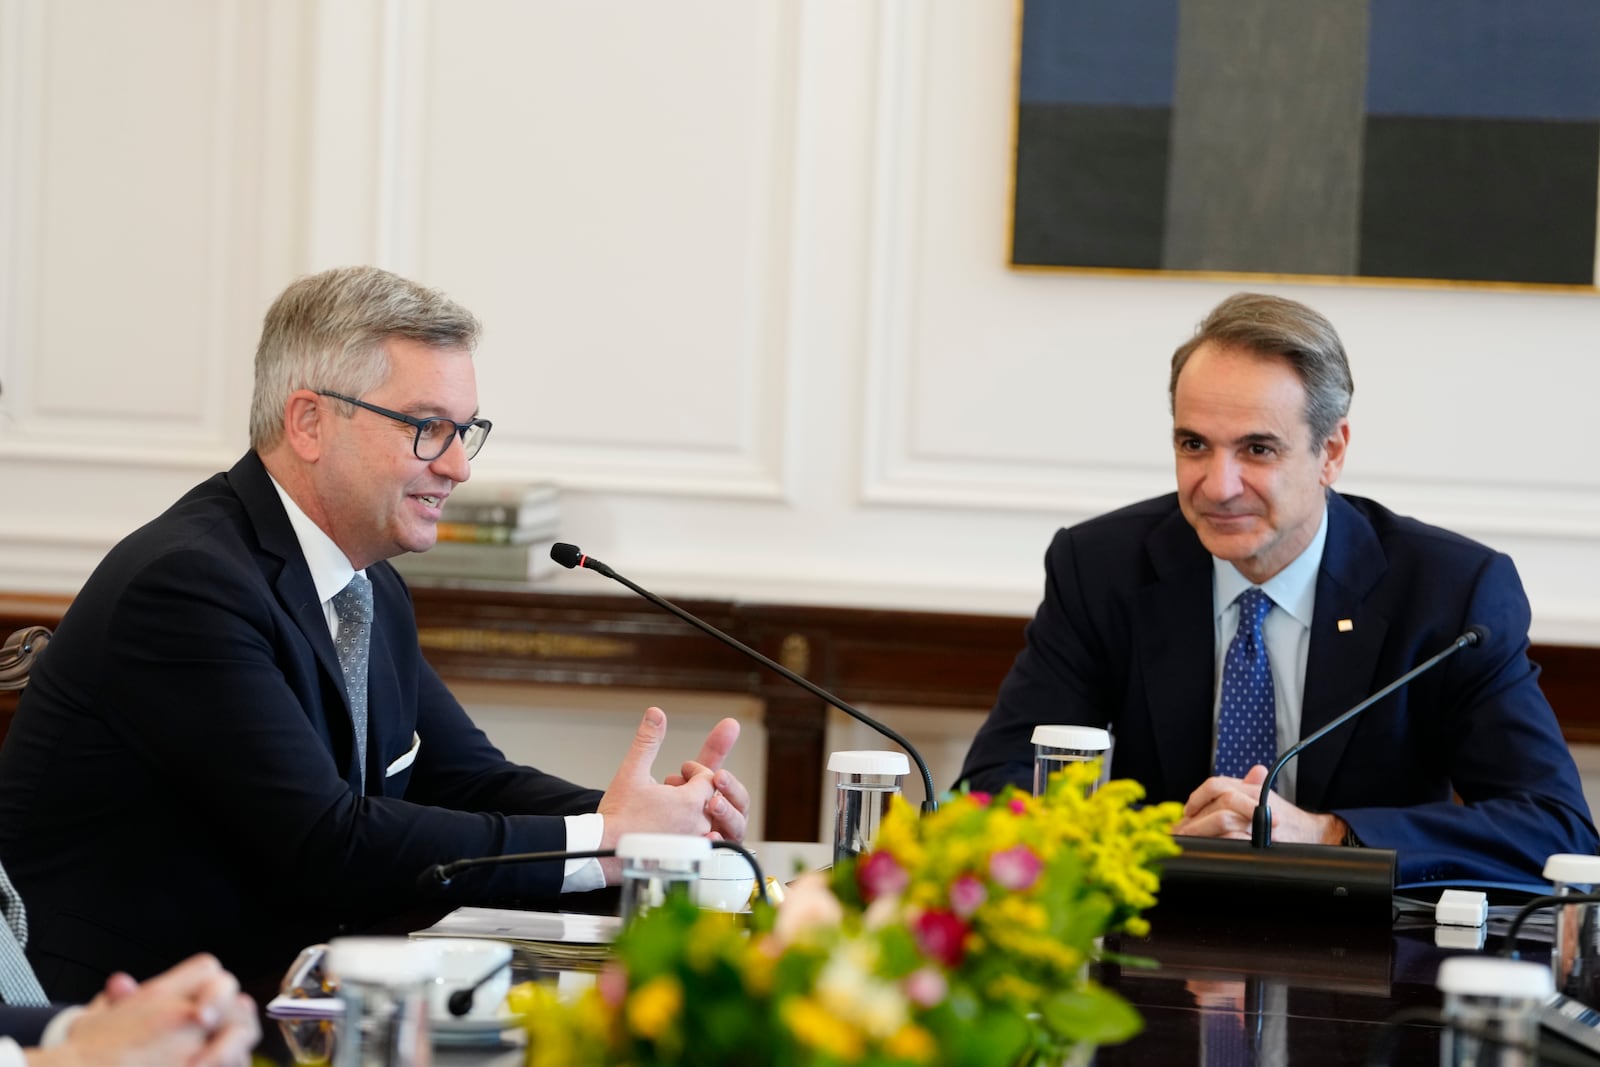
491,532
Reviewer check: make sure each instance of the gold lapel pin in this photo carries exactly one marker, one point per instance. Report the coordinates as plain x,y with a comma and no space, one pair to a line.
1346,625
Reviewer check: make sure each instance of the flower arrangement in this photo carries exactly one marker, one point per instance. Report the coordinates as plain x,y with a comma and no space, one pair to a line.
962,938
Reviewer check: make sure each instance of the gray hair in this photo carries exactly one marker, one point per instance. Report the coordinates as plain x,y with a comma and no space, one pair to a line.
327,331
1276,326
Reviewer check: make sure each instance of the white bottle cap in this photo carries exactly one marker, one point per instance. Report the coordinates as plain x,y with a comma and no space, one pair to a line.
1491,976
1572,868
383,960
666,848
1081,738
869,763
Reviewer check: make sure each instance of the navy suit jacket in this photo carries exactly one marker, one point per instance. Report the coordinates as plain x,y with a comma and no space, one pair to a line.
180,775
1124,639
26,1026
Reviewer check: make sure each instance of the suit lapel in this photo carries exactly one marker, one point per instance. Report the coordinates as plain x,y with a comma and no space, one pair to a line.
295,590
1175,631
1346,638
384,720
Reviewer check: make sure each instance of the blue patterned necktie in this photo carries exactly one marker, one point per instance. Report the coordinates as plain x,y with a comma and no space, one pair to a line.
353,606
19,986
1247,725
1224,1041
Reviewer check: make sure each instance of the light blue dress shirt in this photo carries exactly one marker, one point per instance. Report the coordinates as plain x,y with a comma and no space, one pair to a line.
1287,631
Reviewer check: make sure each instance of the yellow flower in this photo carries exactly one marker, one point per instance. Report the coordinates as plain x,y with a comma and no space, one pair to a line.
911,1042
562,1035
820,1029
1010,987
758,968
653,1006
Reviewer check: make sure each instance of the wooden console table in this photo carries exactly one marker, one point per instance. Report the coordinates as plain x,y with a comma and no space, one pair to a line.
914,658
861,656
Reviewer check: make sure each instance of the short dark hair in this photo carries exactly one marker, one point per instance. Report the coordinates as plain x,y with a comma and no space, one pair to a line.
1277,326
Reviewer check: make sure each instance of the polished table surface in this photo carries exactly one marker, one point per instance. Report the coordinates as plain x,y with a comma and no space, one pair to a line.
1223,993
1272,992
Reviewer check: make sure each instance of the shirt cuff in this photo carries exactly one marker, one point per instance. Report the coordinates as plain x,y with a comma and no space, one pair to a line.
55,1031
11,1054
583,835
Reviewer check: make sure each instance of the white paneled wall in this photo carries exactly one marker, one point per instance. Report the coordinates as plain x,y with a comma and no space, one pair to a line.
742,270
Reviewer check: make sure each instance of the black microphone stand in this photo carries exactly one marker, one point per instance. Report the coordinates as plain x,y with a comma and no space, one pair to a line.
1261,822
570,556
438,877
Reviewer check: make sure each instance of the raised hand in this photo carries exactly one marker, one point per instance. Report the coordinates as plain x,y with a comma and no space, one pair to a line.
729,806
636,802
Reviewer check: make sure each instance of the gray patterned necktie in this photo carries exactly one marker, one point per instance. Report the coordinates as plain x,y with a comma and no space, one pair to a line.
18,985
353,606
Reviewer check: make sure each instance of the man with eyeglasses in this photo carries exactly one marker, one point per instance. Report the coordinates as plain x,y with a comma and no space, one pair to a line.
235,745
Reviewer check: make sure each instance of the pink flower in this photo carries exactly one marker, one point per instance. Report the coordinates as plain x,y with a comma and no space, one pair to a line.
941,936
613,984
981,799
926,987
881,876
1018,806
967,895
808,905
1015,868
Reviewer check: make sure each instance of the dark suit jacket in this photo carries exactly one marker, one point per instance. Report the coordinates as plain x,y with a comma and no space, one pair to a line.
1124,638
180,773
25,1026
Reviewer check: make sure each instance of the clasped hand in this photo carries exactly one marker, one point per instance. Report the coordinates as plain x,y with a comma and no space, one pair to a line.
1224,807
190,1016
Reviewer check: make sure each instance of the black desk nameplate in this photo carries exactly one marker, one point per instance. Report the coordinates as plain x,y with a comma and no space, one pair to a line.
1329,882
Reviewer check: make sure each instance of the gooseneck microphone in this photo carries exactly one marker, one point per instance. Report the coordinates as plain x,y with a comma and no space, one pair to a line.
571,556
1261,824
435,880
460,1001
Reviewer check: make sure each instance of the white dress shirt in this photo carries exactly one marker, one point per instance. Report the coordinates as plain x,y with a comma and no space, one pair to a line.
331,572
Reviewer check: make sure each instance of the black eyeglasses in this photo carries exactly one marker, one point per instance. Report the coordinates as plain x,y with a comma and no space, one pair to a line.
434,434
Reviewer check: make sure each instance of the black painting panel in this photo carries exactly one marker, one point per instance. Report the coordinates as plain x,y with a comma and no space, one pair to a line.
1480,199
1091,185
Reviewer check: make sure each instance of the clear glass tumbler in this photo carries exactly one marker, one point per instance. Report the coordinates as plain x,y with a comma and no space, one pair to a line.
1493,995
1575,955
866,782
383,982
1056,746
658,866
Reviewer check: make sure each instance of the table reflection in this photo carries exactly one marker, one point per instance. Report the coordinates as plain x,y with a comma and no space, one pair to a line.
1212,994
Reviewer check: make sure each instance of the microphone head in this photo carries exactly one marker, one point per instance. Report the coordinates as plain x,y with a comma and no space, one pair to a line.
433,881
567,555
1477,634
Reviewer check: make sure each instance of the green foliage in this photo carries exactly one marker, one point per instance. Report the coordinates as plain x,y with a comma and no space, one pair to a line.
962,940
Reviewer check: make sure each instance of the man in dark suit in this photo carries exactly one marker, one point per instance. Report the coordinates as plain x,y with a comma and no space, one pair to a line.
1146,628
234,743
